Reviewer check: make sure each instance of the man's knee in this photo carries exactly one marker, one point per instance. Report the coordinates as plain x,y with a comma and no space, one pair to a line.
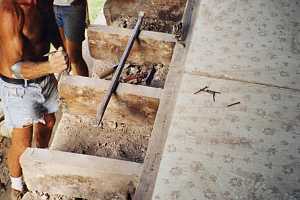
19,145
19,149
22,137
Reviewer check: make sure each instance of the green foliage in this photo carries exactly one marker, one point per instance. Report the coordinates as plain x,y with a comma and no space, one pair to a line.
95,8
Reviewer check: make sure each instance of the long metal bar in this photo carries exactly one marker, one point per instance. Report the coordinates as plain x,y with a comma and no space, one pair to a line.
115,80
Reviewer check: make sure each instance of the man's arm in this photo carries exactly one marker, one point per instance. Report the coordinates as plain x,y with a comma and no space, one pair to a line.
11,49
31,70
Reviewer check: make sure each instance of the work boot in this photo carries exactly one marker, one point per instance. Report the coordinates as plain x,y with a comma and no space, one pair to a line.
16,194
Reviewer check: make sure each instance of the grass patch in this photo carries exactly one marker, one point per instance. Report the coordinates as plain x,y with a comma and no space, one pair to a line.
95,8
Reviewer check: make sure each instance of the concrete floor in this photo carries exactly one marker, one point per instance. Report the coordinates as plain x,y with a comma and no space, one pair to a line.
249,51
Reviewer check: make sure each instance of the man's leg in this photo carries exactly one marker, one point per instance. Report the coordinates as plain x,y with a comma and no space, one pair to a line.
74,51
71,22
21,139
43,131
78,64
62,36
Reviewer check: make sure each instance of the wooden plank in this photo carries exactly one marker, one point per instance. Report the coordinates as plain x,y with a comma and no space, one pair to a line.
77,175
108,43
132,104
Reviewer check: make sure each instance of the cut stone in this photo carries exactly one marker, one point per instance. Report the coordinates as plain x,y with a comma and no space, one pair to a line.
133,105
76,175
108,44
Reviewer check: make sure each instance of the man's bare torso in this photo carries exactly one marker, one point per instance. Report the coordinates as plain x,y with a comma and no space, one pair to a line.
29,29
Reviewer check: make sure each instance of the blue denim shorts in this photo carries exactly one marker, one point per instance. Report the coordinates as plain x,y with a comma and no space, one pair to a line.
25,105
72,20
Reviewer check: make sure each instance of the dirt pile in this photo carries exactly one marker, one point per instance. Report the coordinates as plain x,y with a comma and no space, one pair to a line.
4,174
77,134
153,75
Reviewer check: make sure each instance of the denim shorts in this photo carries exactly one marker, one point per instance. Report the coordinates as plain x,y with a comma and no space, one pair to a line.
72,20
25,105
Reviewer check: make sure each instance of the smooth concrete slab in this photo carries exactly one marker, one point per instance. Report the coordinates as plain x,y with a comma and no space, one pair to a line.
247,151
77,175
254,41
247,51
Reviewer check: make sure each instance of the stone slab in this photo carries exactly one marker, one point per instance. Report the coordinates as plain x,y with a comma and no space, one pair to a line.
246,151
76,175
108,44
131,104
252,41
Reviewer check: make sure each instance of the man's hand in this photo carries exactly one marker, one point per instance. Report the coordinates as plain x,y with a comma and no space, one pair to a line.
58,61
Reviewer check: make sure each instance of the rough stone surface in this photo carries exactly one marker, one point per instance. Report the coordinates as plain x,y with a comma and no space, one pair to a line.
160,15
108,43
115,140
135,106
4,174
45,196
76,175
158,80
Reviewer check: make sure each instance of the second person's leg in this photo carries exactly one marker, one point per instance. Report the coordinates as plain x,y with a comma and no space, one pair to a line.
74,51
71,22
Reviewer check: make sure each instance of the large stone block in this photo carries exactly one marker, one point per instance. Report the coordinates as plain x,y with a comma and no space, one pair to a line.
77,175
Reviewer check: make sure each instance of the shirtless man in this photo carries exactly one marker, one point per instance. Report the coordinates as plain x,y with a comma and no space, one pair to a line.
28,88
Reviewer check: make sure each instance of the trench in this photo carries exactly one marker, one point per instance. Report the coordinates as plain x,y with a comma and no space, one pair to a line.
115,139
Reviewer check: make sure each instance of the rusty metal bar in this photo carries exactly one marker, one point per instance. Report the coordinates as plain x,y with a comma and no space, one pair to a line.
115,80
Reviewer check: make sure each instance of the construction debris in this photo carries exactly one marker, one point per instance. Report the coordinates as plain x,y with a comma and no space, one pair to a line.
207,90
233,104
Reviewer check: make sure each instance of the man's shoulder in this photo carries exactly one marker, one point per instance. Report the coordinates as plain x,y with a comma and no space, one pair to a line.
9,11
7,6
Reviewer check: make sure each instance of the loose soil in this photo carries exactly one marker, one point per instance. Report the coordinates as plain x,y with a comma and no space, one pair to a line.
78,134
4,175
